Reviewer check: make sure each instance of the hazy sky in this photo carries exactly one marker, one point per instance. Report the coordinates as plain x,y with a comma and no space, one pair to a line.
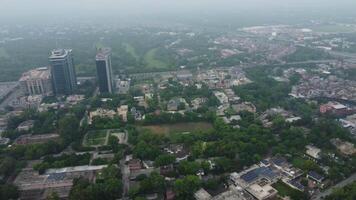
17,10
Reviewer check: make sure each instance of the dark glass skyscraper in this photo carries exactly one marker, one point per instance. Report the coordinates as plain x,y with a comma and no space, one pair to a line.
104,70
63,73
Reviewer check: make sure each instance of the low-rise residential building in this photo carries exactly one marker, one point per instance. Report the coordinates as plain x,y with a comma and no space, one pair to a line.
315,177
223,99
202,195
262,190
244,106
346,148
122,112
102,113
178,150
26,125
32,185
313,152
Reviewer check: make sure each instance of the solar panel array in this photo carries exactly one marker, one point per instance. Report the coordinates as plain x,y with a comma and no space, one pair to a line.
256,173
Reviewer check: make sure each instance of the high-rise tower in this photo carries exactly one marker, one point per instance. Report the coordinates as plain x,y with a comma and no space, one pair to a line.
104,71
63,73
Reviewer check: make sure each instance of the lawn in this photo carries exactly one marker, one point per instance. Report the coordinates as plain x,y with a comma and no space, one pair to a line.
95,138
284,190
177,128
151,60
131,50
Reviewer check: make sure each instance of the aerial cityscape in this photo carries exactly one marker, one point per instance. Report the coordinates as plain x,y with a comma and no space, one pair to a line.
165,100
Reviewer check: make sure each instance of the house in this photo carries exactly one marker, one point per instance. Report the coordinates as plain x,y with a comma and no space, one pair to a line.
335,108
198,102
245,106
262,190
313,152
122,112
102,113
26,125
134,165
346,148
223,99
136,114
178,150
172,105
202,195
315,177
232,119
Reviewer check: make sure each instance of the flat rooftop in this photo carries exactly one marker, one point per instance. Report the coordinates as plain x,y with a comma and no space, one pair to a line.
103,53
38,73
59,53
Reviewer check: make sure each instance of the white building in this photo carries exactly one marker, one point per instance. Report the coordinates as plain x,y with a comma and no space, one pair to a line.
37,82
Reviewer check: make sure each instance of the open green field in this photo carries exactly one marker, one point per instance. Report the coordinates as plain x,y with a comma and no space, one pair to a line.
131,50
177,128
284,190
95,138
151,60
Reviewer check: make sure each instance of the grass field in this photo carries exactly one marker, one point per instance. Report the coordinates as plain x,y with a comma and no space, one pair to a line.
131,50
178,128
151,60
95,138
284,190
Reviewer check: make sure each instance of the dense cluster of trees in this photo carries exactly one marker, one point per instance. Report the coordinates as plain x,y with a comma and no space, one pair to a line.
346,193
307,53
264,92
65,160
108,186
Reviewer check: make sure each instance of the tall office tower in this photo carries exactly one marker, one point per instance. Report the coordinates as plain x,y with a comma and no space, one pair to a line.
37,82
63,73
104,71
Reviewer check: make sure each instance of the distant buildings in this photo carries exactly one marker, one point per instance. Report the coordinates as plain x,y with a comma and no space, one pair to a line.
63,73
37,82
104,71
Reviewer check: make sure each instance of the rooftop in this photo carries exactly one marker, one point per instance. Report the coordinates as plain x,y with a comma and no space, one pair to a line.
103,53
59,53
39,73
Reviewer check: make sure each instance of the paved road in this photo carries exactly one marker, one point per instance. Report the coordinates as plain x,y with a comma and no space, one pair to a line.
125,171
341,184
14,94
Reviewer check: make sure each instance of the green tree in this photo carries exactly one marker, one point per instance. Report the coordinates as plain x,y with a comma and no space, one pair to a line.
186,187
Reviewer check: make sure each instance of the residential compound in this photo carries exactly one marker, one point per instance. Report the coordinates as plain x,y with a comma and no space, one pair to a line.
63,73
33,185
104,71
37,82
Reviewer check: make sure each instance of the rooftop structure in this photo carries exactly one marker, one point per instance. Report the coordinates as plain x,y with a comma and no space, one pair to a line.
35,186
262,190
202,195
313,152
